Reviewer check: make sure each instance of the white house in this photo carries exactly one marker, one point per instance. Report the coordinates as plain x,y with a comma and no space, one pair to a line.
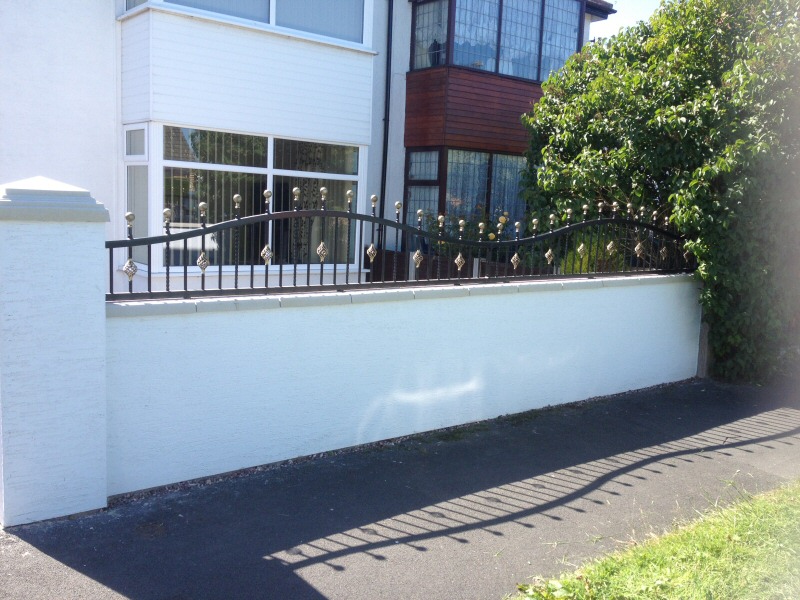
167,103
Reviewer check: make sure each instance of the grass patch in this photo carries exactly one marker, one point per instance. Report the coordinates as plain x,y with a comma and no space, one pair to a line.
748,551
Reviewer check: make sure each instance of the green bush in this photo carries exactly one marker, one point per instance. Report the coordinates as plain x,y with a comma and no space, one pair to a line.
695,113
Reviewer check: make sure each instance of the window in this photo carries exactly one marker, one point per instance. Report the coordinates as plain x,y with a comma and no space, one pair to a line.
255,10
430,34
212,166
522,38
477,185
340,19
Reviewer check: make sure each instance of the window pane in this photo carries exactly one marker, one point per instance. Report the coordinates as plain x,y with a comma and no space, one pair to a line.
475,41
423,166
129,4
134,142
424,198
519,43
215,147
506,190
256,10
186,188
467,177
430,34
560,34
343,19
296,241
292,155
138,205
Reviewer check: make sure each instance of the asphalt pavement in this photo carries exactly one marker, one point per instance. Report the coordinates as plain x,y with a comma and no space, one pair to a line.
461,513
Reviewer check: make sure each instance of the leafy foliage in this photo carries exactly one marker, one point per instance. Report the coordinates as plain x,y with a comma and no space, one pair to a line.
694,114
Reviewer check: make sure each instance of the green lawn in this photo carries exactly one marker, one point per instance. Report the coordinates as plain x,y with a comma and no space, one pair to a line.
748,551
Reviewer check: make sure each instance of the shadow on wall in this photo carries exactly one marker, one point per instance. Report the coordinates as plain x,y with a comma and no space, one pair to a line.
260,535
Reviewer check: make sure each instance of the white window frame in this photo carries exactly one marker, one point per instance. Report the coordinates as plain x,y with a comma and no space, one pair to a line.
157,163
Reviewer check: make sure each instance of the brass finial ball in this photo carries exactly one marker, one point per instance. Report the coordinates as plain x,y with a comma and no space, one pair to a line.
237,200
441,219
420,213
267,195
349,195
167,214
130,217
374,200
203,206
398,205
461,223
296,192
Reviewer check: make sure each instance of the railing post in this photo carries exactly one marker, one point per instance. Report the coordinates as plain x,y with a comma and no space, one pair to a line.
52,351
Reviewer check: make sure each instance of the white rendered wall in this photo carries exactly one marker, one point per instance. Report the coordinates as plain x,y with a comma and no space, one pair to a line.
204,73
203,387
52,352
58,93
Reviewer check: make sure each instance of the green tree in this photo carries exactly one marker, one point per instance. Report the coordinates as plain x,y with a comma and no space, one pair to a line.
694,114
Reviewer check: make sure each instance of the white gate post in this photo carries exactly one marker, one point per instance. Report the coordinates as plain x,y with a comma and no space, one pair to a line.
52,351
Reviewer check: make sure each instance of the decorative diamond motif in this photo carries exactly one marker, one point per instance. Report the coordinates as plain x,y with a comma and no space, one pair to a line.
515,260
372,253
582,250
611,248
322,252
639,249
549,256
202,262
130,269
664,253
267,254
460,262
418,258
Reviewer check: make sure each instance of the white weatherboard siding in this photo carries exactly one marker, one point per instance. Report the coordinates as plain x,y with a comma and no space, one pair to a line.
203,387
220,76
135,52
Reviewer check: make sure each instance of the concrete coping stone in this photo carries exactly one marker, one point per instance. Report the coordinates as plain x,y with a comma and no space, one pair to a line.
43,199
235,303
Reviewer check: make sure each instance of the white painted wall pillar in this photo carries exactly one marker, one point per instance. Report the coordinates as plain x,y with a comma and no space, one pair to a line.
52,351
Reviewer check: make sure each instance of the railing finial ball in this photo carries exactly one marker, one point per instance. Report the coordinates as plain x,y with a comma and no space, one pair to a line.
267,196
461,223
517,225
420,213
130,217
203,206
237,200
374,200
349,195
167,215
441,220
323,191
296,192
398,205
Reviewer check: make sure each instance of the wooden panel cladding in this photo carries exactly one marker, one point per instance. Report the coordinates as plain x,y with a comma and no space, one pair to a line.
465,108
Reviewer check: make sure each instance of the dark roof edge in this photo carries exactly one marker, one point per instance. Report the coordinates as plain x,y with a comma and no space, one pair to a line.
599,8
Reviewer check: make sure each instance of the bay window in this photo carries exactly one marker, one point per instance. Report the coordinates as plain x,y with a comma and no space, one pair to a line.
476,186
521,38
198,165
340,19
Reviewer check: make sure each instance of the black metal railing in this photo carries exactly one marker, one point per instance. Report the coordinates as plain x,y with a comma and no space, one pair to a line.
319,249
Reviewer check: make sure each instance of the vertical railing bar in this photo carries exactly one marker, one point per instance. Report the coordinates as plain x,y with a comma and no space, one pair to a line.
349,241
237,200
111,272
149,268
397,207
221,257
324,194
167,218
185,264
